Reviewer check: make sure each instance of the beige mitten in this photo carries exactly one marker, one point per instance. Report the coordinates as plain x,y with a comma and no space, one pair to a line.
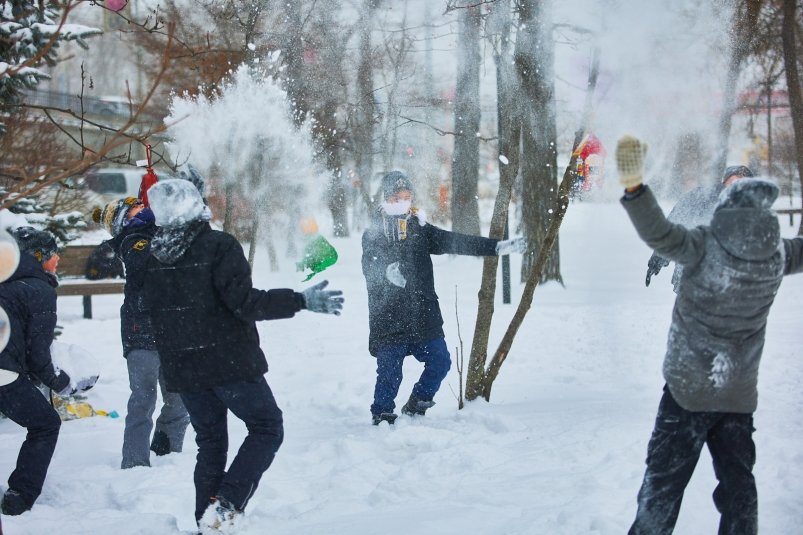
630,154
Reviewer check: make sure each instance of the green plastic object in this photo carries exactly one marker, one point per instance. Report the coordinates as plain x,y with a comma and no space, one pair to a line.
319,254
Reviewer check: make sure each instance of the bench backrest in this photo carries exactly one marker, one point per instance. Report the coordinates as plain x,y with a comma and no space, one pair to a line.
72,260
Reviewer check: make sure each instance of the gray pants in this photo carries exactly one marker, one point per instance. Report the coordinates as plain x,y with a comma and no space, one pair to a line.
143,376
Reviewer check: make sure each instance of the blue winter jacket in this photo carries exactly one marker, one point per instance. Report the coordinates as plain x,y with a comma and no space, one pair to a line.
29,299
410,314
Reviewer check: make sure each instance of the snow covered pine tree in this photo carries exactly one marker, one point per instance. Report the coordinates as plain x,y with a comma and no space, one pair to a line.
30,34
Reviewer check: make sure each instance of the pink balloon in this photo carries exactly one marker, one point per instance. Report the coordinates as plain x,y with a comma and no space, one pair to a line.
116,5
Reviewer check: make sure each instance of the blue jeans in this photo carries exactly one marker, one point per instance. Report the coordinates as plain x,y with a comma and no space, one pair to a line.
389,360
25,405
253,403
672,454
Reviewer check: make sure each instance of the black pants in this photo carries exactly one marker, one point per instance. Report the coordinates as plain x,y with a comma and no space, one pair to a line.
251,402
672,454
25,405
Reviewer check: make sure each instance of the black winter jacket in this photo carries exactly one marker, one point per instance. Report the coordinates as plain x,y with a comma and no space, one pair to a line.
203,309
132,247
29,299
410,314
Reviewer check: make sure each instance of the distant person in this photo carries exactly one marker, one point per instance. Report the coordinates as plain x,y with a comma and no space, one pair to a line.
695,208
732,270
403,312
203,310
132,227
29,299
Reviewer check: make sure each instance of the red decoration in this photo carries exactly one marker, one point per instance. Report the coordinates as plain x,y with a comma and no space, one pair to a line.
591,155
148,179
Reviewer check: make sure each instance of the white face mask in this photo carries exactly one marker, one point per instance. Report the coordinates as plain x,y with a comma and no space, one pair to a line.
396,208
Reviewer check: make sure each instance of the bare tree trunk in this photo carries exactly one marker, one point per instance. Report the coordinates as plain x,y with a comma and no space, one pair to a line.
793,84
365,112
560,208
228,212
745,16
509,127
535,58
293,52
466,157
252,246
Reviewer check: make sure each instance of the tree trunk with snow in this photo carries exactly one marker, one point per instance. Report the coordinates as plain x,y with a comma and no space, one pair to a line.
365,113
466,156
534,59
293,52
793,84
509,131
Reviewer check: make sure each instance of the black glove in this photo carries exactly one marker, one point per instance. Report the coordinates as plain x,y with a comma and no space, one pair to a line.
316,299
654,266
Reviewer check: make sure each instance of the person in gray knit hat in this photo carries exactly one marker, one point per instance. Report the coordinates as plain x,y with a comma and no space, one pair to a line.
732,270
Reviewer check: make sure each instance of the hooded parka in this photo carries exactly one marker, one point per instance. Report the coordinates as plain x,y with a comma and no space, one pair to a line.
29,299
732,270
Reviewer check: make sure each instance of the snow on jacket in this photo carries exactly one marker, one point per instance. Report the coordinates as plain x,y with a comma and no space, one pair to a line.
410,314
203,309
29,299
132,247
732,270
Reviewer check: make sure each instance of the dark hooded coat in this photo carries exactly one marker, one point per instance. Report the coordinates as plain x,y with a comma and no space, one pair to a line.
410,314
203,308
132,247
29,299
732,270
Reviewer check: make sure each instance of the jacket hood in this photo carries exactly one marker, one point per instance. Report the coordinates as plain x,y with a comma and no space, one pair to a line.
30,267
749,193
176,202
747,233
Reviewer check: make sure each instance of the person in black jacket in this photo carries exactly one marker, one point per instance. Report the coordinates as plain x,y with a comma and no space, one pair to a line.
132,226
29,299
204,309
403,311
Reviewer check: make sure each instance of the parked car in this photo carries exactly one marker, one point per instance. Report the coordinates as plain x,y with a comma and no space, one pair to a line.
103,185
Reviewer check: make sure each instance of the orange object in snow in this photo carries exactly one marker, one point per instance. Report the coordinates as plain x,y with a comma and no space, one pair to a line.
148,179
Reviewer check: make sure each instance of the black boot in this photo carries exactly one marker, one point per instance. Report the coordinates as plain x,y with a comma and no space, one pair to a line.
14,503
160,445
416,407
388,417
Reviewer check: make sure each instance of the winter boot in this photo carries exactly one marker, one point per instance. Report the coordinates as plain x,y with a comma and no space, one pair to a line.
388,417
160,445
14,503
416,407
220,518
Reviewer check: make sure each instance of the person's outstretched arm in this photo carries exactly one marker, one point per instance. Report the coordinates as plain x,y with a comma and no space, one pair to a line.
232,279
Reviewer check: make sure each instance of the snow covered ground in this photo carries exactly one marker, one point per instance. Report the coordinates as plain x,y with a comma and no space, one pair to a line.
559,450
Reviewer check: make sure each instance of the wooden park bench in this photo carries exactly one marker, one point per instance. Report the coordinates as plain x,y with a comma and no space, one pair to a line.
72,279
